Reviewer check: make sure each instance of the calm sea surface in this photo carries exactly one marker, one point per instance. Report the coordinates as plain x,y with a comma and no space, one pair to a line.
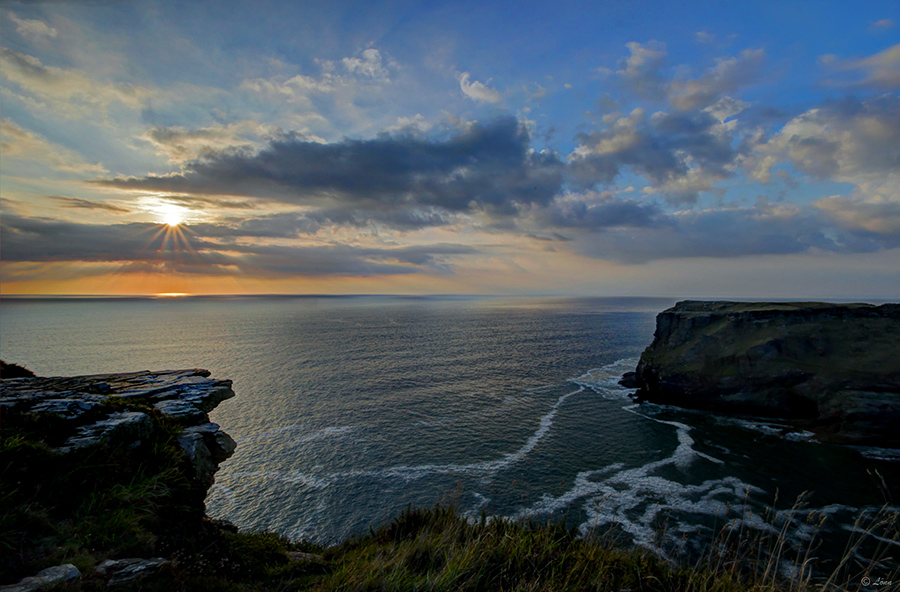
349,409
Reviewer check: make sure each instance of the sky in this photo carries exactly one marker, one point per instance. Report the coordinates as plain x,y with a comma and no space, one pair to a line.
689,149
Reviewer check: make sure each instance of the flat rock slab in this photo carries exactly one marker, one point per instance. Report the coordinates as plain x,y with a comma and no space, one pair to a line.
126,571
45,579
185,396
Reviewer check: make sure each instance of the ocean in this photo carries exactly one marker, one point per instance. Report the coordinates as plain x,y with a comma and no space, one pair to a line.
350,409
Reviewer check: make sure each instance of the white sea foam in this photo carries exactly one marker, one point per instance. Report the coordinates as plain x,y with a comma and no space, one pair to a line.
801,436
409,473
605,380
632,499
888,454
770,428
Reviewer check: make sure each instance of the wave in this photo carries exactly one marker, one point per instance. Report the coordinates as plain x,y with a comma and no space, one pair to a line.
605,380
408,473
633,498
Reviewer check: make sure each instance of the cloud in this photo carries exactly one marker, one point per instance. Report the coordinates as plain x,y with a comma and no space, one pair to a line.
369,65
879,71
641,69
881,25
296,89
765,229
86,204
68,92
477,91
21,144
882,69
346,260
681,154
143,248
593,211
850,140
196,202
642,73
684,153
880,215
727,76
47,240
32,29
180,145
480,167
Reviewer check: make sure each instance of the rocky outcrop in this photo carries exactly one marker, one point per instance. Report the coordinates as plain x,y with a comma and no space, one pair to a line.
832,368
104,409
112,460
46,578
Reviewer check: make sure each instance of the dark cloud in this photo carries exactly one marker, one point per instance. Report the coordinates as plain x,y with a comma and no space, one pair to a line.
199,202
345,260
665,148
729,233
607,212
45,239
485,166
143,247
286,225
86,204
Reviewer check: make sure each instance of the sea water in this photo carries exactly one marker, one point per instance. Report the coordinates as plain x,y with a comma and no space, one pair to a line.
350,409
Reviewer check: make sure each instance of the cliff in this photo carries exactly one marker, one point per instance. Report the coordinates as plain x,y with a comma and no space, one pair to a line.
831,368
105,466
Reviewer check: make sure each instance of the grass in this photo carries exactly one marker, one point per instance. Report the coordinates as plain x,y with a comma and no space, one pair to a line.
120,502
14,371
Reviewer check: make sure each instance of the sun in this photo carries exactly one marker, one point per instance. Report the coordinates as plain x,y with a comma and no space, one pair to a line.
172,219
171,215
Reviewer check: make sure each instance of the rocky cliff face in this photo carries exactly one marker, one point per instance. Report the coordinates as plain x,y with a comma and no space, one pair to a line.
106,466
833,368
104,409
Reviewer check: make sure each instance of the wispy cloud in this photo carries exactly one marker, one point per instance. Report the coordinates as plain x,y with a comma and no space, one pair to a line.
87,204
67,92
882,25
32,28
19,143
478,91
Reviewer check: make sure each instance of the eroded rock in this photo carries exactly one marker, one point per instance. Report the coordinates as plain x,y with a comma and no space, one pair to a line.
98,410
127,571
206,446
45,578
129,419
127,426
